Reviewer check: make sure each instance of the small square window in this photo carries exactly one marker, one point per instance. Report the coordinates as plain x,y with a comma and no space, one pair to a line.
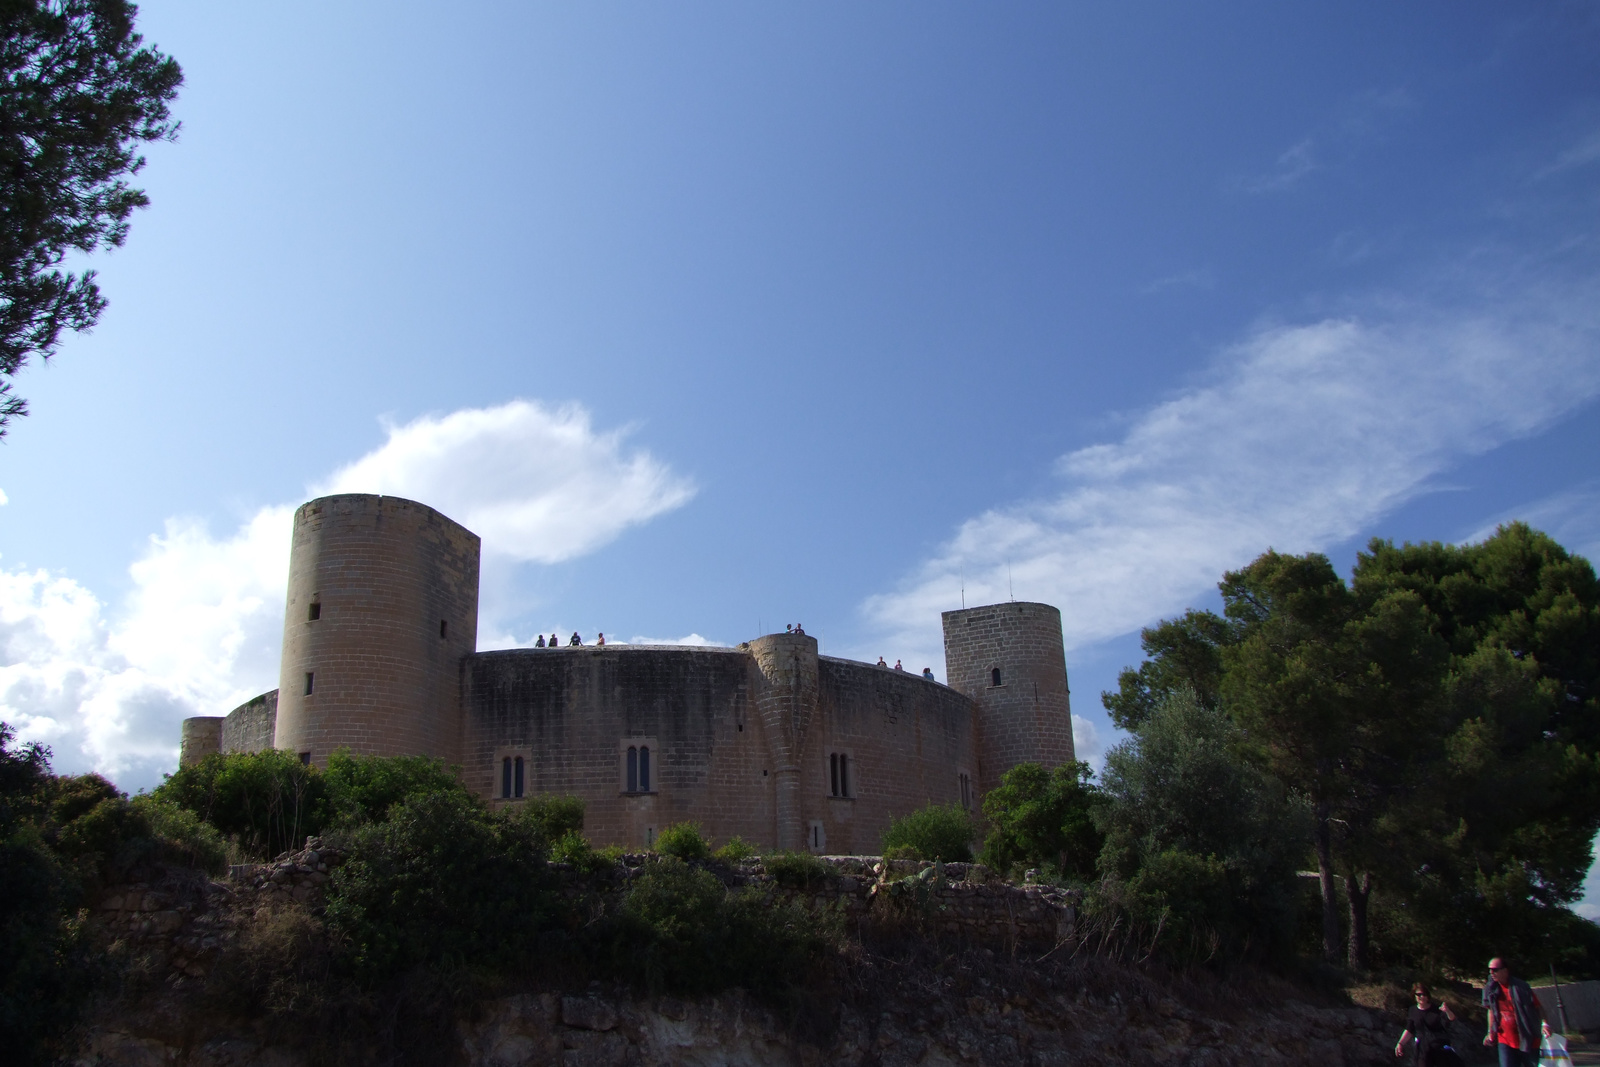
314,612
305,758
311,682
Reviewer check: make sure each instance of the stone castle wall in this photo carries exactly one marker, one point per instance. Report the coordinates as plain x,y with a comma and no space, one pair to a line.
382,609
1028,716
719,738
250,727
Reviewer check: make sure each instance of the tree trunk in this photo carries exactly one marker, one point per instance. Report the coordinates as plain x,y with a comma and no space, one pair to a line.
1357,890
1323,836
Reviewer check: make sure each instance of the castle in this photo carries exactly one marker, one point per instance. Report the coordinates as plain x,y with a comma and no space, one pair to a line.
768,740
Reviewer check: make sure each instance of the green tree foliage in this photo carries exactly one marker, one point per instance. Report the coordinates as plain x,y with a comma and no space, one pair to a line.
1044,819
683,840
1201,846
1181,653
552,815
681,930
1439,711
62,837
269,802
441,882
936,832
80,94
364,788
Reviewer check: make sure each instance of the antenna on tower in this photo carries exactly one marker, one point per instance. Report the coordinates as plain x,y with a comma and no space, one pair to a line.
963,590
1010,589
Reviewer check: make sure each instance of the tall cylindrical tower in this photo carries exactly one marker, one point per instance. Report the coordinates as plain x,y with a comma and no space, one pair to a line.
382,607
1010,659
201,737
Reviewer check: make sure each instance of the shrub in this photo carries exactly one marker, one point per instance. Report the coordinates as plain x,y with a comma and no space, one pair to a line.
682,931
902,852
364,788
1200,845
797,870
936,832
268,801
736,850
572,847
551,815
181,836
442,882
683,840
1044,819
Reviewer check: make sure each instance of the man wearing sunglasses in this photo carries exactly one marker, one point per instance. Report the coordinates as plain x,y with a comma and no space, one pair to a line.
1515,1018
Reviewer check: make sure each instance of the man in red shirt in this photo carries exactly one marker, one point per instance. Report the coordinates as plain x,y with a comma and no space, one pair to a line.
1515,1018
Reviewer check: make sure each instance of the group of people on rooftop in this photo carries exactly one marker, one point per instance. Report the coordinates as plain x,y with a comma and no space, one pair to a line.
927,672
573,641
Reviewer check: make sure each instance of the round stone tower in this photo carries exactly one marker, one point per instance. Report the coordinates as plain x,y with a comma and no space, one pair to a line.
201,737
382,607
1009,658
786,699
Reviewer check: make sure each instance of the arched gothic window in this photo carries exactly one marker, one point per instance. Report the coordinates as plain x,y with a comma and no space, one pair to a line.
839,774
638,769
995,676
505,777
518,777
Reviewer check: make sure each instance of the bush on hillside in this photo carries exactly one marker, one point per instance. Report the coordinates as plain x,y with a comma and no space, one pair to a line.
735,850
442,882
364,788
268,802
682,931
1044,819
795,870
936,832
551,815
683,840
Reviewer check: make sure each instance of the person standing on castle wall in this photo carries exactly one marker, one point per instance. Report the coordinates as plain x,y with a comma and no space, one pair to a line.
539,643
800,629
555,642
897,666
881,663
601,639
927,672
576,640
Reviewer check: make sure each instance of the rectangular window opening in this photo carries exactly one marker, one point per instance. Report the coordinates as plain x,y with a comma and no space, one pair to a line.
311,682
314,612
305,758
517,777
444,627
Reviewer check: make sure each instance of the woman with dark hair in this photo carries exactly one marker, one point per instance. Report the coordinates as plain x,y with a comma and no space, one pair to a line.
1428,1026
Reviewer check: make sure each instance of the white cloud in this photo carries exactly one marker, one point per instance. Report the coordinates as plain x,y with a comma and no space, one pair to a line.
1303,436
690,639
1086,742
536,484
201,627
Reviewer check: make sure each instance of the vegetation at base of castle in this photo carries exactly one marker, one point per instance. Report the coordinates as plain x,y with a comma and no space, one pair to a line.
1439,714
1044,820
553,816
794,870
442,881
684,841
269,802
1201,846
936,832
62,838
81,95
735,850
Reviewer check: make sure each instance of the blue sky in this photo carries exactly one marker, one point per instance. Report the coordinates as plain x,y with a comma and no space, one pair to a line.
715,317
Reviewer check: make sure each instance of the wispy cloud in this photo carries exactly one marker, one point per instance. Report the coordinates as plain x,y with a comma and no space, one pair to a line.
1301,437
1198,278
1584,152
1295,163
200,630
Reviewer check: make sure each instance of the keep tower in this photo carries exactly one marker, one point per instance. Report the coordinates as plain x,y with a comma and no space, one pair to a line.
382,609
1010,659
